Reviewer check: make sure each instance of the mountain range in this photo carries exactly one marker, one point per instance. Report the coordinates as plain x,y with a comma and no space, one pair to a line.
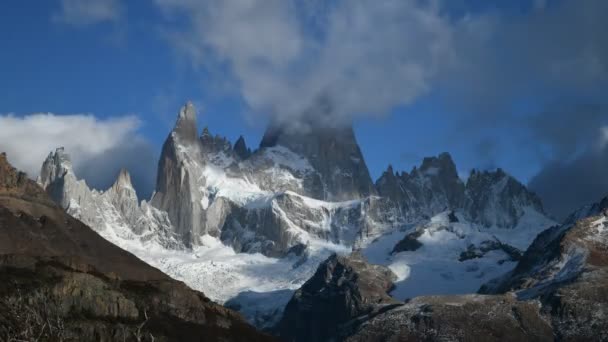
297,237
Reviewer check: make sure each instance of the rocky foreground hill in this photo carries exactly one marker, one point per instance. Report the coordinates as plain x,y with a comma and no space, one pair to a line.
61,281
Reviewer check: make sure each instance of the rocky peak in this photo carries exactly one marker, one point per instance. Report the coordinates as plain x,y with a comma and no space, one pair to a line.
178,176
9,176
333,152
214,144
16,183
240,148
124,180
389,185
442,166
185,126
389,170
342,288
56,165
123,186
124,198
442,171
427,190
496,198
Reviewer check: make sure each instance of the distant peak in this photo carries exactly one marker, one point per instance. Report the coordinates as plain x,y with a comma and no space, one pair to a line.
56,165
124,176
123,181
206,133
446,157
188,111
443,162
185,126
240,148
389,170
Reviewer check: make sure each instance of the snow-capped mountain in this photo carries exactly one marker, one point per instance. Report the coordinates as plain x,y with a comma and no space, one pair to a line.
250,227
115,214
490,198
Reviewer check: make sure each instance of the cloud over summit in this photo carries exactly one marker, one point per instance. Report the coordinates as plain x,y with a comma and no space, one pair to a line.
290,58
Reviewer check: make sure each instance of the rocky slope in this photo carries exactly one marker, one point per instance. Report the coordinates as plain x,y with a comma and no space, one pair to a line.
62,281
566,268
456,318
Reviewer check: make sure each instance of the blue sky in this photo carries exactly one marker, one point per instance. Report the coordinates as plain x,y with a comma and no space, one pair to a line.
467,77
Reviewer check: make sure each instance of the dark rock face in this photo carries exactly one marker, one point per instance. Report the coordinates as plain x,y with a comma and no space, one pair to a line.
62,281
241,149
425,191
473,251
342,289
457,318
490,198
214,144
409,242
334,154
495,198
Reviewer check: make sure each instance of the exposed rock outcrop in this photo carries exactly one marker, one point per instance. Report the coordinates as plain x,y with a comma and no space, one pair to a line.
179,171
425,191
494,198
241,149
335,156
457,318
62,281
343,288
490,198
347,300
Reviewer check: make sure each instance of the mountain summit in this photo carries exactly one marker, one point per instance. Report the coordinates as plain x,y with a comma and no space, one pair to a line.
335,155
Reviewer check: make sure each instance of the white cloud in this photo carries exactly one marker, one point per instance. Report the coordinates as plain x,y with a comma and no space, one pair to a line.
292,57
89,12
28,139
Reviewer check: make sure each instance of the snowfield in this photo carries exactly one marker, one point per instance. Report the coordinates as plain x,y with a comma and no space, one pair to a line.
435,267
260,286
224,275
